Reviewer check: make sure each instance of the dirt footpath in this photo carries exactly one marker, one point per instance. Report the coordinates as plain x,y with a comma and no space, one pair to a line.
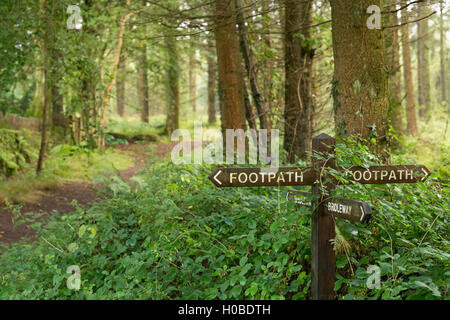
60,199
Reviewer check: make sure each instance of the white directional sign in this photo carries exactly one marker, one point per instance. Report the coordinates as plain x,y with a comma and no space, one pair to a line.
299,197
358,211
352,210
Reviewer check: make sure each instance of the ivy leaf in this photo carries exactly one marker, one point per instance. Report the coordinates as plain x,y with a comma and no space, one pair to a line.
82,231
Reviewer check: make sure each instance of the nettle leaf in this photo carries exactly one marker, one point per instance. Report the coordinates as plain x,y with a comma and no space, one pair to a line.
245,269
72,247
236,291
82,231
431,286
251,291
252,224
224,286
364,260
341,262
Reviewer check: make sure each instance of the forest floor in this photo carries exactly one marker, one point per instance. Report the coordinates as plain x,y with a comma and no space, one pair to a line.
66,197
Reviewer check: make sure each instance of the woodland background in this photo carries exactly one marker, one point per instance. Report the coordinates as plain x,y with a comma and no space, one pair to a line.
97,105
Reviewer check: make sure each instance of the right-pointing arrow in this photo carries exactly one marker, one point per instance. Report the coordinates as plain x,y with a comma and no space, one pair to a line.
426,173
352,210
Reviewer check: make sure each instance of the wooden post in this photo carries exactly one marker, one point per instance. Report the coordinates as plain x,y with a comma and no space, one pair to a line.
322,228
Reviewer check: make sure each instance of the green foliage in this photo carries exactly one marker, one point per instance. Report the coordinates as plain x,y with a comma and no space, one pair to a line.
64,163
431,147
16,152
17,30
111,141
176,236
65,150
407,236
130,129
78,163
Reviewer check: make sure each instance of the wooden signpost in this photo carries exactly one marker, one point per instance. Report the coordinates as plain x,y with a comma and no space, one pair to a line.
325,208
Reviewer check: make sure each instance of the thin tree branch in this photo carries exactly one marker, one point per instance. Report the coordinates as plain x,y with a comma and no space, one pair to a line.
404,24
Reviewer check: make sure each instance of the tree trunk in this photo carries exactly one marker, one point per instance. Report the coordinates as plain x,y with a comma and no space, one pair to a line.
43,146
142,84
423,61
76,125
57,107
36,106
408,79
40,162
249,115
86,107
298,68
360,84
173,107
212,84
268,84
269,64
120,84
58,118
249,60
393,63
442,54
106,97
94,107
193,78
231,94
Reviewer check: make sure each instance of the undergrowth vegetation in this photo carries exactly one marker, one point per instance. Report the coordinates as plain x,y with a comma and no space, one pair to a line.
17,149
131,128
64,164
432,146
173,235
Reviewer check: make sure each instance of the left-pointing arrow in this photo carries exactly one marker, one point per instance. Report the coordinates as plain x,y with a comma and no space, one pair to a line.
216,175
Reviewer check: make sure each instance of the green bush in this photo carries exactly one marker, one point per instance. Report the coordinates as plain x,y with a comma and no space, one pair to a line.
407,237
129,129
16,152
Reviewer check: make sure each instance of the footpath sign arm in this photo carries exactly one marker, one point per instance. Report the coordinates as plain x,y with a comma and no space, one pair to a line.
389,174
